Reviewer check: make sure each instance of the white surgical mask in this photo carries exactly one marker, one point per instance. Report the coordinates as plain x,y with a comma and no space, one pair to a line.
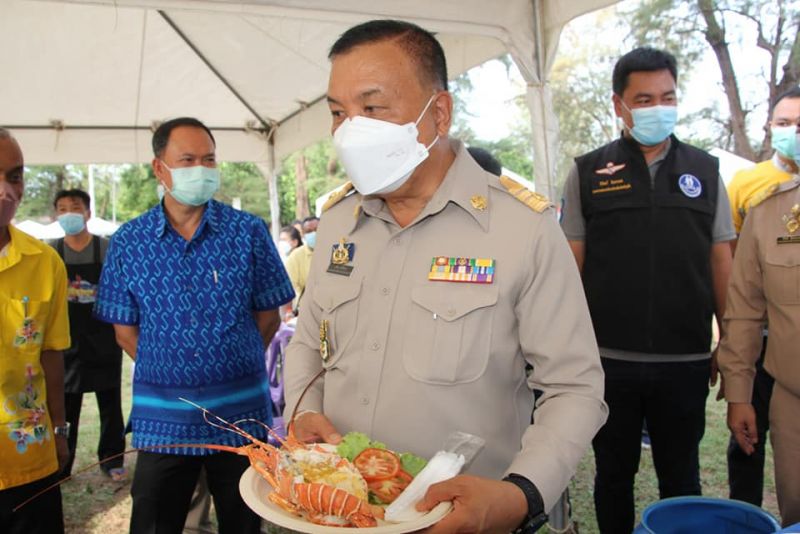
71,223
284,248
379,156
652,124
193,186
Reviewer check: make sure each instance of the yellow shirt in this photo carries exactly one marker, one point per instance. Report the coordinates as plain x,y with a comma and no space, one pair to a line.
33,318
298,264
750,186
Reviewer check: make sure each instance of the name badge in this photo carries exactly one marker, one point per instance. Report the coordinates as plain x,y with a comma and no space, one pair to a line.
789,240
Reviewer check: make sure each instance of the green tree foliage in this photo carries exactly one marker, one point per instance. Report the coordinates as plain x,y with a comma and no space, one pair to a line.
138,191
323,176
514,152
245,182
739,32
42,182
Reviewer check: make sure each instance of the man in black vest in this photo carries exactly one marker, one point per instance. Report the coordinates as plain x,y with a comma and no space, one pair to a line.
94,361
648,221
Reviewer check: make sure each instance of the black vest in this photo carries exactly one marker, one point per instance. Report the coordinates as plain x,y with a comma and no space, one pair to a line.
94,361
646,271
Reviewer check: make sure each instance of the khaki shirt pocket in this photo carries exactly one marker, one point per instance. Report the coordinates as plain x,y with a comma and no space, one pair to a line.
339,304
782,274
24,324
449,332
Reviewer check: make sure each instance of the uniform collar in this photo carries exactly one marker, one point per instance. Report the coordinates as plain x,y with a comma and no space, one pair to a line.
21,244
210,219
465,185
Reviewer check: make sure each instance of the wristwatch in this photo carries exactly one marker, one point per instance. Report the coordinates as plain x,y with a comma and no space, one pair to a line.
536,516
62,431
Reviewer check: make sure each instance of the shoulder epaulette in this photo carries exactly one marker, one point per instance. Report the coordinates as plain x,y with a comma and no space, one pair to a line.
764,195
337,196
788,185
536,201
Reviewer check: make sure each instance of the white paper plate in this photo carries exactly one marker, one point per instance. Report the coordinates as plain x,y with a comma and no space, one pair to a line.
254,490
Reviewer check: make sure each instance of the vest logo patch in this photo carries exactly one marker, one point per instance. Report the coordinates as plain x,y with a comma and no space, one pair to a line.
690,185
610,169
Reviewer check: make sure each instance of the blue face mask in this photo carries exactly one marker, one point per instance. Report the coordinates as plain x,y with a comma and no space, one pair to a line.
653,124
310,239
71,223
786,141
193,186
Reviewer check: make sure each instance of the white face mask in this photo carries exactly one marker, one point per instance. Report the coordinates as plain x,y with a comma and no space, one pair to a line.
284,248
379,156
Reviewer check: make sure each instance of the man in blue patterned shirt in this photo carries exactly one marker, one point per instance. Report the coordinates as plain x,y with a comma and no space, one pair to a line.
192,287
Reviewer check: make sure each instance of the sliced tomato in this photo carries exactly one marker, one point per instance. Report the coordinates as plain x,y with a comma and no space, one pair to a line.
377,464
388,490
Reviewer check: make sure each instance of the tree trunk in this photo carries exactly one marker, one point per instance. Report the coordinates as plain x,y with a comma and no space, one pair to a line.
715,35
60,178
332,166
301,192
791,70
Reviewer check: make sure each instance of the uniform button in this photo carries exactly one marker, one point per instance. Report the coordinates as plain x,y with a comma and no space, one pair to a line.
375,345
364,400
397,241
196,354
385,291
451,312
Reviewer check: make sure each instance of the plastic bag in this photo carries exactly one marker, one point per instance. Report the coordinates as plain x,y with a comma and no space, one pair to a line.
459,450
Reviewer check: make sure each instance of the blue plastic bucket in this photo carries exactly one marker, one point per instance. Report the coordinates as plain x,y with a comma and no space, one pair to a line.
692,515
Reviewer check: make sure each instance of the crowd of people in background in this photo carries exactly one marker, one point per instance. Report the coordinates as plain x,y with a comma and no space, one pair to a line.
432,284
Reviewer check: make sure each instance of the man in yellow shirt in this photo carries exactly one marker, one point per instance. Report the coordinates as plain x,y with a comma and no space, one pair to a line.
34,332
748,188
751,186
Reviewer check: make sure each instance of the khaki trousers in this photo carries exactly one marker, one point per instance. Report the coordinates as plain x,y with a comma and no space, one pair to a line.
784,420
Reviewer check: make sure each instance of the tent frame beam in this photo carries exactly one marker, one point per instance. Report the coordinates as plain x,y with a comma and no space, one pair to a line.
122,128
267,124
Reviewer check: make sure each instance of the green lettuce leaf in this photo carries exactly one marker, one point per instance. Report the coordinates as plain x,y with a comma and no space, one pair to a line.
412,464
354,442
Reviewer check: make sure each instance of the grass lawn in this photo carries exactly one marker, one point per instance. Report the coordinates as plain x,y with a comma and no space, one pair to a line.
93,504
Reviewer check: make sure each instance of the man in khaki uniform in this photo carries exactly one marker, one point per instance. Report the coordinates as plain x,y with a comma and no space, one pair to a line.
432,286
764,286
747,188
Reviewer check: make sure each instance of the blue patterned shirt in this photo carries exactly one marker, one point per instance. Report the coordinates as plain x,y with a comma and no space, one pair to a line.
193,302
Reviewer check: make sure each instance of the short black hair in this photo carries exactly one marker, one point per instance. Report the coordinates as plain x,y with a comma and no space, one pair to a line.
73,193
640,59
794,92
485,159
309,219
420,45
162,133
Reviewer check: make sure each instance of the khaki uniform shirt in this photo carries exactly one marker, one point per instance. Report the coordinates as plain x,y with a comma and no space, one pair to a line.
765,284
414,359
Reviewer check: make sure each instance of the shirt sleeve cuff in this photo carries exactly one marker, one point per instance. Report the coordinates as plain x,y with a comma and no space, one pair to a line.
738,389
115,313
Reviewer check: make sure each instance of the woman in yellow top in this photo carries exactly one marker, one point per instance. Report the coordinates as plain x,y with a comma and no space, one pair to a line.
34,330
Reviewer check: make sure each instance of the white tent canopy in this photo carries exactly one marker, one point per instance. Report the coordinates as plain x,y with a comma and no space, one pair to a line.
86,80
